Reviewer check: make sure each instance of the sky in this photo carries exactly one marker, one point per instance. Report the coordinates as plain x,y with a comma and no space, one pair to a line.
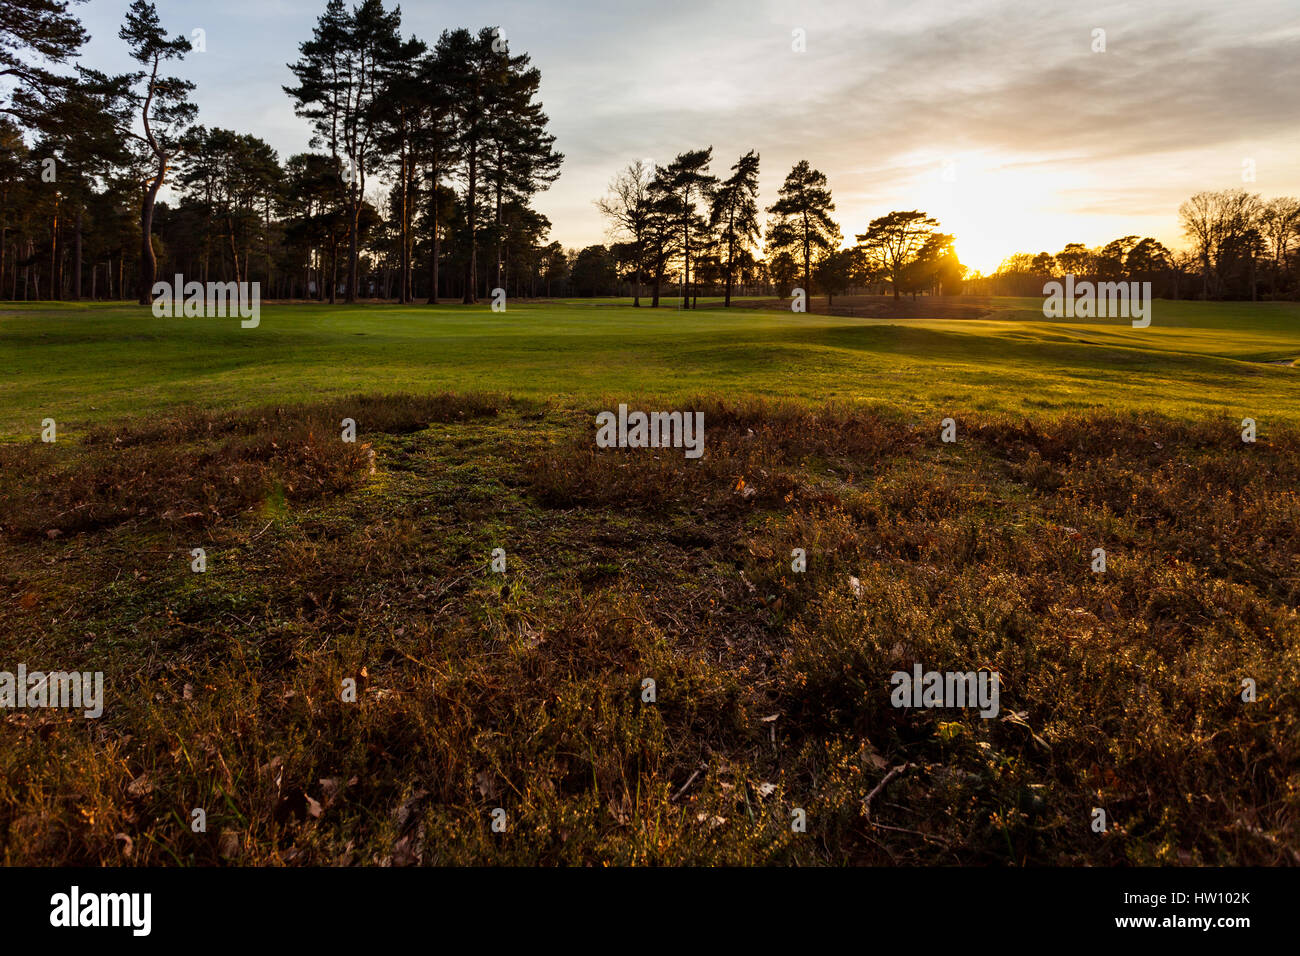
1000,119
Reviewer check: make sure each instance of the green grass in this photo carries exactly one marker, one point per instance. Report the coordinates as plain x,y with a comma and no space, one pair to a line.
81,364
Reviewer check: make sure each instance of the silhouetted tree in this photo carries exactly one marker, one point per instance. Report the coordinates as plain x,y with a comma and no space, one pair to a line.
893,241
803,226
735,216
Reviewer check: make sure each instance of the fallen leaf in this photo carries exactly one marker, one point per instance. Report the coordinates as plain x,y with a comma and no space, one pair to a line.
273,764
294,856
409,849
141,786
404,814
296,803
330,788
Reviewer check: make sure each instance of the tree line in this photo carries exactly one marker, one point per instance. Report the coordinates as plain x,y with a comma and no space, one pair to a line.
680,225
423,162
418,181
1241,246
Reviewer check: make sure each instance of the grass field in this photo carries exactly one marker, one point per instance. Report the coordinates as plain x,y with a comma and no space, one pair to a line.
94,363
522,691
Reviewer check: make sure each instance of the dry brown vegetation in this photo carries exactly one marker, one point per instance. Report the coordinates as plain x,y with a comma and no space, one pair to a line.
523,691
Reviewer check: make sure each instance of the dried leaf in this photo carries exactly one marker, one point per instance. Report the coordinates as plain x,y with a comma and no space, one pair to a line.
405,813
141,786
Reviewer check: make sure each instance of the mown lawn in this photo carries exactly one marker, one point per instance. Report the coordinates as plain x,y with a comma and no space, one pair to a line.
91,363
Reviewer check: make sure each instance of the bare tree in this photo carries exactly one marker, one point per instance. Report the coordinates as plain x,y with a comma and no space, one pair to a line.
163,108
1279,222
628,207
1218,223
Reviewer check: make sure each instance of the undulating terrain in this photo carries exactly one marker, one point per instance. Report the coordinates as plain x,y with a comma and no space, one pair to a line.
369,564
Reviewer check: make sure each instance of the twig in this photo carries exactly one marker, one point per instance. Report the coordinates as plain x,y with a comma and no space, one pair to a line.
689,780
924,836
884,782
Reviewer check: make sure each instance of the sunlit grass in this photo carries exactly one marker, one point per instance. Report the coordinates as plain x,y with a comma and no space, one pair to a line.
83,363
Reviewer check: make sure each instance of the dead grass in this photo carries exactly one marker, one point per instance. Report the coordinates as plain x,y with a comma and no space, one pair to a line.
523,691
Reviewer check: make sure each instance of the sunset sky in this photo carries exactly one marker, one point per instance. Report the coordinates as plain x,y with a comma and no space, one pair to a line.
997,118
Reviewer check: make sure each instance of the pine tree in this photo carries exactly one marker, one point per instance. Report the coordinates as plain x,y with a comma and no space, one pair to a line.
687,180
735,216
803,223
161,104
45,30
341,73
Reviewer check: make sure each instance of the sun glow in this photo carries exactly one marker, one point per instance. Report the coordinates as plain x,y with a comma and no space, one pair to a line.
995,207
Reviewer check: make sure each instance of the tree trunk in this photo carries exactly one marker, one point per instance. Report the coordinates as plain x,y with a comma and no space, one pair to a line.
353,247
234,249
433,264
334,266
807,263
404,228
686,253
76,258
731,256
471,265
266,238
500,158
54,245
148,262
